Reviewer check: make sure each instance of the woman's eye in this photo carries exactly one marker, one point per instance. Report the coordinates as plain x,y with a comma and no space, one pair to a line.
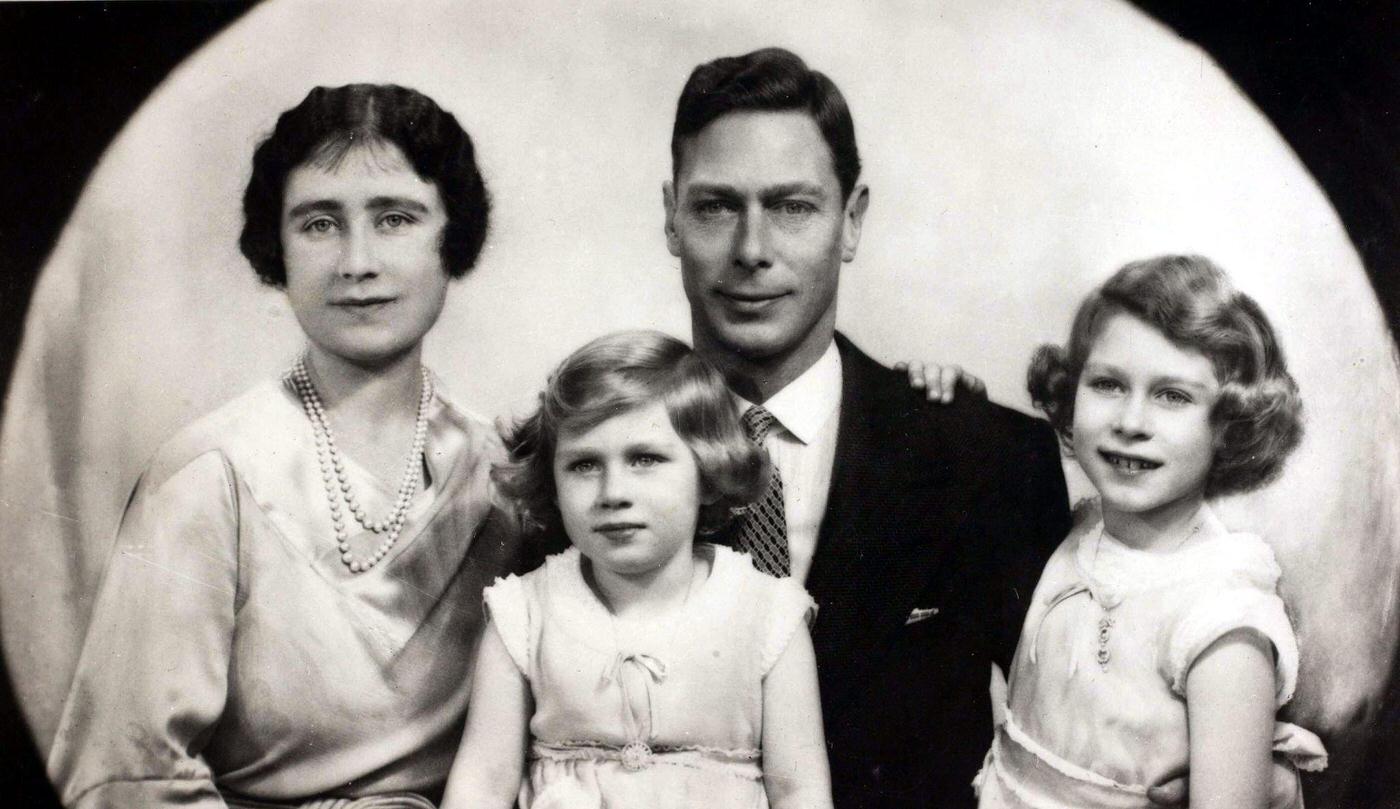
648,459
320,224
1105,385
1175,397
394,221
581,467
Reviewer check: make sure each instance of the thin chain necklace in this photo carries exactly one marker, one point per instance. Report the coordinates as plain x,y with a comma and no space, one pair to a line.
1106,619
337,482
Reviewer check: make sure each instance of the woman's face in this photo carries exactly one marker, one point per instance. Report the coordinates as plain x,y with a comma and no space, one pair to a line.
361,240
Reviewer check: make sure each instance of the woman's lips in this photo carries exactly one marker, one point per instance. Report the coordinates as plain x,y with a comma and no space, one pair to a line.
365,304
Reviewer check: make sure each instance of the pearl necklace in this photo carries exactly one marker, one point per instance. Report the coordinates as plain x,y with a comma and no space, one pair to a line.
337,483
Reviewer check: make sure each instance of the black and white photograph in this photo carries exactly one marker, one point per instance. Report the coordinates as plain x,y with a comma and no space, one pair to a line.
458,404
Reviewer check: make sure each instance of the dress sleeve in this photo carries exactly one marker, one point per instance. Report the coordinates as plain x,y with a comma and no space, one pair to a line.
789,606
509,610
1243,602
152,678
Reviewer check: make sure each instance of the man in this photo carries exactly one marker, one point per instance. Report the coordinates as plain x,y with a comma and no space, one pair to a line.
919,528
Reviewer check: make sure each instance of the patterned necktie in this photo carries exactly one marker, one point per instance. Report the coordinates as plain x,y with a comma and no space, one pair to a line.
764,531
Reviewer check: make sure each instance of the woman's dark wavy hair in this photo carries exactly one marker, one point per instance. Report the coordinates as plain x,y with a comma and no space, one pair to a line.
1258,415
768,80
331,121
615,374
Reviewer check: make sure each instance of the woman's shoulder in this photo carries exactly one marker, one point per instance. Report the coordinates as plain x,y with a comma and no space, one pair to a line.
257,422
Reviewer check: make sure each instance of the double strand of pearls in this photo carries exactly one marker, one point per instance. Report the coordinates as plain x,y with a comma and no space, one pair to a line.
337,482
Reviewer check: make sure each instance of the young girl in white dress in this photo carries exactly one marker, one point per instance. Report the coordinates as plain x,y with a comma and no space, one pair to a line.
1156,640
640,668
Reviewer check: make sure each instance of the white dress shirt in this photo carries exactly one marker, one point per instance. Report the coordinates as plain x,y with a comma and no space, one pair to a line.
802,444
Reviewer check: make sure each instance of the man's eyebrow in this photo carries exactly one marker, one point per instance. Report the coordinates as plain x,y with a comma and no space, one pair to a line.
314,206
796,188
712,189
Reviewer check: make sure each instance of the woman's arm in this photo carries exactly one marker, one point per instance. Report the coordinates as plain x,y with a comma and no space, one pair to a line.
1230,715
795,770
152,681
491,761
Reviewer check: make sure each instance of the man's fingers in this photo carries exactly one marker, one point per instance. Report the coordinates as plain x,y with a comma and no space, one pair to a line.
948,380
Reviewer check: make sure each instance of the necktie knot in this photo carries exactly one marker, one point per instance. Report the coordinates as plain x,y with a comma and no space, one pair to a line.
757,421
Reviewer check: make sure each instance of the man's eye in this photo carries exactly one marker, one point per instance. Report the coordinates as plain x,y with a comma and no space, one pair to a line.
793,207
711,207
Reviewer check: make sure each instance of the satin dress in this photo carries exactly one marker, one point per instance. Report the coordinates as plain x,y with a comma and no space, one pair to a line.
233,658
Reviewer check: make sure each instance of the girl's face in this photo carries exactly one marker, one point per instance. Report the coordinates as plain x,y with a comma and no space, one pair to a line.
1142,430
360,241
629,491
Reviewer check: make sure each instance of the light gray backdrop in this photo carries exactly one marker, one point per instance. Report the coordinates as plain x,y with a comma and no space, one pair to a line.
1017,150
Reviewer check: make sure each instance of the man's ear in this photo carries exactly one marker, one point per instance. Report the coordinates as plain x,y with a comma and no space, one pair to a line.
852,219
668,201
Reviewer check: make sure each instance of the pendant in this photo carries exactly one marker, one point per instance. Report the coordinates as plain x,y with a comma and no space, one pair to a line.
1104,624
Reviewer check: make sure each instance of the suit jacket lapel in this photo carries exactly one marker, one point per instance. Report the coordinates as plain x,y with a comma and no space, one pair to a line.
871,563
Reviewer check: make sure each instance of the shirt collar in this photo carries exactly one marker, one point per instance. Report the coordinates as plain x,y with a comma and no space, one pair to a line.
807,402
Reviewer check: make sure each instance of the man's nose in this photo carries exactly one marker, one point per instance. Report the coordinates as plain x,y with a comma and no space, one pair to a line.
359,256
753,248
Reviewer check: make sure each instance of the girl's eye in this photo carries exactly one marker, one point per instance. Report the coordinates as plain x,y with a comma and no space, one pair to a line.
1105,384
321,224
1173,396
648,459
582,466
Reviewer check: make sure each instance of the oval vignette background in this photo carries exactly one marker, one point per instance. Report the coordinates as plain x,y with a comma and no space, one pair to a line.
1017,153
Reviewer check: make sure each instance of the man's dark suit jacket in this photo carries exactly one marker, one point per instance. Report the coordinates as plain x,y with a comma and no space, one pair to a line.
948,507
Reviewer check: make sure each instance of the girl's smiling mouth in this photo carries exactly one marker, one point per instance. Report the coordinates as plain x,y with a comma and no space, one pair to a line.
1131,464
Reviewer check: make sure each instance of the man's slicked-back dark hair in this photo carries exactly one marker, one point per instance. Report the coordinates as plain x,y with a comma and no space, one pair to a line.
768,80
331,121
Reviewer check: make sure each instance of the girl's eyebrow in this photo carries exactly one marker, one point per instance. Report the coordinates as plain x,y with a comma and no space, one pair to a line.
1180,382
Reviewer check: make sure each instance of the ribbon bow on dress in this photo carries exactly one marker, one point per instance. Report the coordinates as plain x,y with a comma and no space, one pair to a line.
636,755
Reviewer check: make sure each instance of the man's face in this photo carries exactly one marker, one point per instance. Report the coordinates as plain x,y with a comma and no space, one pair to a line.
756,216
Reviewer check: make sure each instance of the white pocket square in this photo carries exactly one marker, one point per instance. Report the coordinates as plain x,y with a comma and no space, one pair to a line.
920,614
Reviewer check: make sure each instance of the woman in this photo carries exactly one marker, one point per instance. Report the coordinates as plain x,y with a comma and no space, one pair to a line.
293,604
